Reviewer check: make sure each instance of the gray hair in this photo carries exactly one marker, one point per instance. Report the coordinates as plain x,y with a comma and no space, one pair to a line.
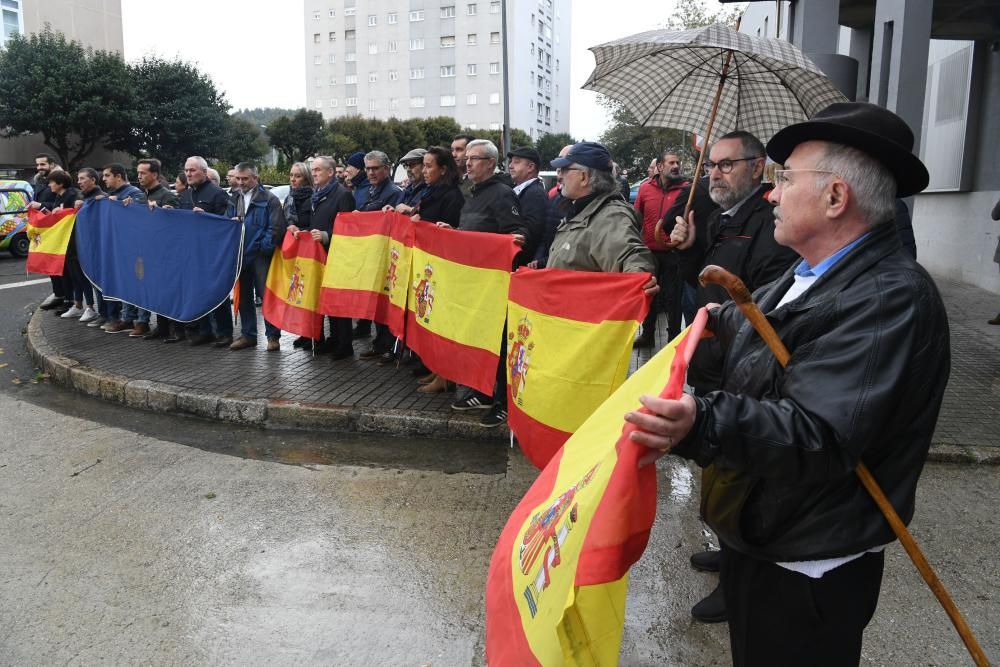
327,162
488,146
213,175
200,161
304,170
602,182
870,182
380,156
247,166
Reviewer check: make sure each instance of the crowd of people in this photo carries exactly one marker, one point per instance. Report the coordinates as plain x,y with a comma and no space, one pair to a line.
826,248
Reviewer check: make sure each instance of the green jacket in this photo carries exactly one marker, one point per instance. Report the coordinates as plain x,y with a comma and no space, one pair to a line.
604,236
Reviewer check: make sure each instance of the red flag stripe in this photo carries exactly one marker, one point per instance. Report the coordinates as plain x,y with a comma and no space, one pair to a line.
371,223
292,319
459,363
363,305
547,440
466,247
610,296
47,263
304,247
42,220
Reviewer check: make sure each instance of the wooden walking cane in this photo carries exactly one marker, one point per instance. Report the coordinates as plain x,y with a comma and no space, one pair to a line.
741,296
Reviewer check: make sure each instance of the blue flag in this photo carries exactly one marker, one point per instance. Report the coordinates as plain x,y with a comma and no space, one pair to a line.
175,263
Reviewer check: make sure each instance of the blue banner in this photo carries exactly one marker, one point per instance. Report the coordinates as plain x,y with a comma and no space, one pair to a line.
175,263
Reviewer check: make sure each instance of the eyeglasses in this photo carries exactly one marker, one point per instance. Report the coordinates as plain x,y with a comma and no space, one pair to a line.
374,168
781,175
726,166
560,169
470,158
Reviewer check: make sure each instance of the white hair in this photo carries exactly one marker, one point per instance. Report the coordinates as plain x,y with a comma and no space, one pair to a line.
200,161
488,146
871,183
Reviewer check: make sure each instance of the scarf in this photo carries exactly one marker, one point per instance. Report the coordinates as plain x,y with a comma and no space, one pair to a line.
317,195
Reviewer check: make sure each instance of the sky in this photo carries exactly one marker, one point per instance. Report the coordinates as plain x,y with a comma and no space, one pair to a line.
257,55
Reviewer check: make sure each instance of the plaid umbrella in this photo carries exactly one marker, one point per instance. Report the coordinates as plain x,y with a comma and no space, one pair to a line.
668,78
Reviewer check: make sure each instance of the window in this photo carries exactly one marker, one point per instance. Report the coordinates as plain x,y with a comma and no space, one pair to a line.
372,48
448,42
317,60
417,73
331,37
315,34
351,102
333,102
393,75
393,18
372,77
332,14
470,98
319,104
351,57
333,81
448,12
393,46
372,20
470,9
350,34
318,82
494,38
333,58
494,68
372,105
316,15
447,70
351,79
470,69
494,98
350,11
393,103
417,15
416,45
472,39
417,102
495,7
447,100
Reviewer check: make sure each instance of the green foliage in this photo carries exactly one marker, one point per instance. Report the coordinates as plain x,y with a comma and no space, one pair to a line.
696,14
74,98
394,137
548,146
263,116
241,141
182,114
298,136
440,130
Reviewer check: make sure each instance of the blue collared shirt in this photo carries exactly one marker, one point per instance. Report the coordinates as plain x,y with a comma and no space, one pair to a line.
806,275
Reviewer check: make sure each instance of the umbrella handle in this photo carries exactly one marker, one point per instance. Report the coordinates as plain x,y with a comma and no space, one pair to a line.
741,296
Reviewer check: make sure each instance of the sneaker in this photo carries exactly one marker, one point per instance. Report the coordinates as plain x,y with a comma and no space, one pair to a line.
107,325
50,302
73,312
119,327
471,402
139,330
89,315
98,322
495,417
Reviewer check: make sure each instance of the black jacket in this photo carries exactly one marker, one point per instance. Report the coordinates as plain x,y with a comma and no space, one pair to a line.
208,196
442,204
298,207
534,203
558,207
689,261
162,196
493,207
324,212
869,363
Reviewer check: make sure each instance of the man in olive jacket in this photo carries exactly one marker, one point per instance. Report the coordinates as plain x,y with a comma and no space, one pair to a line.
868,337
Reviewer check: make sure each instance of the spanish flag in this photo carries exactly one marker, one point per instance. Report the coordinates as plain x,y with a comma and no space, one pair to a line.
456,310
367,274
49,235
293,282
555,593
569,342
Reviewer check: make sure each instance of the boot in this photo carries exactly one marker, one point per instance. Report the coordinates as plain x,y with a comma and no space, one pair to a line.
995,320
712,609
437,386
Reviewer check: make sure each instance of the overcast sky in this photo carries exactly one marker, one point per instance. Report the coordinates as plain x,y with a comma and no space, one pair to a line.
256,55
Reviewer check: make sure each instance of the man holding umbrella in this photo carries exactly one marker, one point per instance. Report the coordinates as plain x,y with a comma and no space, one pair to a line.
868,337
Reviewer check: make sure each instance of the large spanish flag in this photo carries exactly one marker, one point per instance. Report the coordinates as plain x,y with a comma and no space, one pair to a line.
456,310
49,235
291,299
555,593
367,273
569,342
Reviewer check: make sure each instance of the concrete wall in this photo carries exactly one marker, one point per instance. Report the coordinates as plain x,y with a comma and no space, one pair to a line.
956,237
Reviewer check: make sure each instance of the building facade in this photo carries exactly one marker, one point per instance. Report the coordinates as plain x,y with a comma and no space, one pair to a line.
94,23
385,59
936,63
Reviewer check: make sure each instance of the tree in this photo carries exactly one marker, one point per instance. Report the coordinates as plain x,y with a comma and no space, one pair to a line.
74,98
180,113
409,135
241,142
263,115
440,130
695,14
549,145
299,136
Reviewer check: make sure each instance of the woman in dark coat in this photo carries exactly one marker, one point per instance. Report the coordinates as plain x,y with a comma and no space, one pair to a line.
442,200
66,196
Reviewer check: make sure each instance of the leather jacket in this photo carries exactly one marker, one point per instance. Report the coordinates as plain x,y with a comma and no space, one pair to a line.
869,363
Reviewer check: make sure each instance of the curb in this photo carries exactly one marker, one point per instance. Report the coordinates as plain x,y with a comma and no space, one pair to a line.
266,413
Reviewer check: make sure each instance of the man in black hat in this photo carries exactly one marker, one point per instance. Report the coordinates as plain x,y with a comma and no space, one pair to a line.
868,337
523,165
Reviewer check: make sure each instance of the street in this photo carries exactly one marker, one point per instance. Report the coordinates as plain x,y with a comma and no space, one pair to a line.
135,538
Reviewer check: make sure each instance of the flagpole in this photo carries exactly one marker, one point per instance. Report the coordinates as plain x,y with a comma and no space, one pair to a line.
505,132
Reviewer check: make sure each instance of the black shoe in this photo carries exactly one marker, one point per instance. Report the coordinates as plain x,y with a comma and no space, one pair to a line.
175,338
361,333
712,609
707,561
472,402
200,339
387,359
301,341
156,332
51,303
340,356
221,341
370,355
495,417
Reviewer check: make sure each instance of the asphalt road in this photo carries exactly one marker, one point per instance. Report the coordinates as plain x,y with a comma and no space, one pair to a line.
132,538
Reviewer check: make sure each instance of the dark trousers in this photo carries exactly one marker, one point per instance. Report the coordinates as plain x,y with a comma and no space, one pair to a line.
77,286
59,286
676,298
221,318
341,335
778,617
248,310
500,385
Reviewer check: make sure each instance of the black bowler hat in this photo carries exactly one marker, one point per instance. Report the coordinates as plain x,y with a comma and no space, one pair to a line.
867,127
528,153
589,154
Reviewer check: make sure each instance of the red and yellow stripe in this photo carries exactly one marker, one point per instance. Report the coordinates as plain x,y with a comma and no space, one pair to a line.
49,235
291,300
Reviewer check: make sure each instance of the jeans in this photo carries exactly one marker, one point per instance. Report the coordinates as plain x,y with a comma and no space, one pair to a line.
135,314
248,311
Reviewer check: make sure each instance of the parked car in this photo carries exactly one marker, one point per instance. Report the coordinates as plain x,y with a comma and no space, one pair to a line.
14,199
279,191
633,192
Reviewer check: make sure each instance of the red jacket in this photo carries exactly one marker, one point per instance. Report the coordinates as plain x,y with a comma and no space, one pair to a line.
652,203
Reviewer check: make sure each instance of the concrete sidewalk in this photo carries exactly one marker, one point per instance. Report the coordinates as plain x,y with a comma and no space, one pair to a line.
293,389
